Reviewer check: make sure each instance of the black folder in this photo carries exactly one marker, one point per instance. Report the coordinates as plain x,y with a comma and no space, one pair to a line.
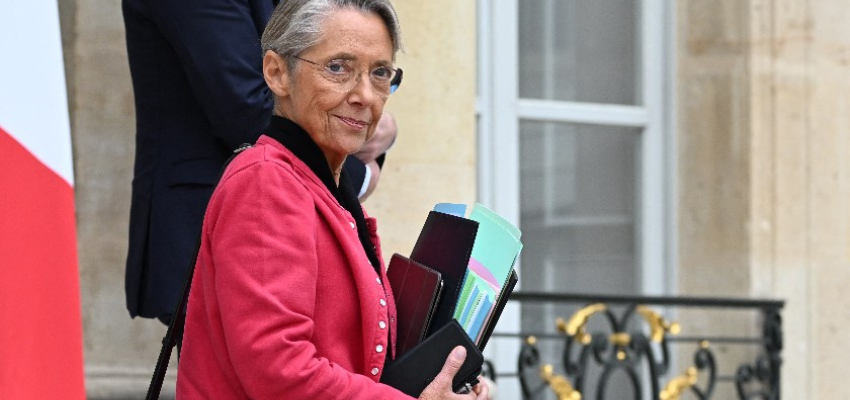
413,371
445,245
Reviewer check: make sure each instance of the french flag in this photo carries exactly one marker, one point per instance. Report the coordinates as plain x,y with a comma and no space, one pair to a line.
41,346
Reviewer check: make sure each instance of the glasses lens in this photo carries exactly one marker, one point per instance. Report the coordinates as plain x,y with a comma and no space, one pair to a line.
345,76
396,82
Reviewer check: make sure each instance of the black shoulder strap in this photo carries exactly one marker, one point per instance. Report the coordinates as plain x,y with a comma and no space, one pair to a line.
175,328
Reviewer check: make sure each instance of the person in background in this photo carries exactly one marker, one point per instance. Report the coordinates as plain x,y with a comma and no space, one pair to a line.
290,298
199,92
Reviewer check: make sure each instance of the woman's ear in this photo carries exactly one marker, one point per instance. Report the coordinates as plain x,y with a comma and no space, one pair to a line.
276,73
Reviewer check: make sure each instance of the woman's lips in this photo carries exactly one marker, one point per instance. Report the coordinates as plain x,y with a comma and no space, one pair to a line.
354,123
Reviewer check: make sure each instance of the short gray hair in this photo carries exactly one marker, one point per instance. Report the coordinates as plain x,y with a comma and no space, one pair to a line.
295,25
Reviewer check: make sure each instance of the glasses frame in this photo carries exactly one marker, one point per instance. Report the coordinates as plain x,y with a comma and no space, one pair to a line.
394,83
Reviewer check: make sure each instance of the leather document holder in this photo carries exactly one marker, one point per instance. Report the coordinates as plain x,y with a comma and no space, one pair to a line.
445,245
416,369
416,289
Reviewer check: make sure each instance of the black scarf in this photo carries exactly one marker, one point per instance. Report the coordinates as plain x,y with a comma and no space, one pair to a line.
299,142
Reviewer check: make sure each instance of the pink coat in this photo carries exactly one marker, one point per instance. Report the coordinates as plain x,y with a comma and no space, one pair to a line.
284,302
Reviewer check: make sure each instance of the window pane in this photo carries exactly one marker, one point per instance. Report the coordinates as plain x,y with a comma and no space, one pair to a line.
578,207
579,50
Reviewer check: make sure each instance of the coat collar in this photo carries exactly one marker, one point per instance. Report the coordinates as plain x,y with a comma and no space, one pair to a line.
299,142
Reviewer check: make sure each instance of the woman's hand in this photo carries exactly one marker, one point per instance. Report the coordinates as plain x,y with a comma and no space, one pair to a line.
441,387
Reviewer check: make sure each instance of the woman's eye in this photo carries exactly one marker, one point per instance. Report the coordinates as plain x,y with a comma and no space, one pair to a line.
382,72
337,67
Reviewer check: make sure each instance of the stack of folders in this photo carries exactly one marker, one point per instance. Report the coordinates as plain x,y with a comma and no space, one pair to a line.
449,292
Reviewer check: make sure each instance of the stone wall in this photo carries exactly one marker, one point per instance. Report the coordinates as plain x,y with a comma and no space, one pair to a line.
764,135
764,143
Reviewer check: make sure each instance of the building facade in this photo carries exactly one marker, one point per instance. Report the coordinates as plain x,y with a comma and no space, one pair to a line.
688,148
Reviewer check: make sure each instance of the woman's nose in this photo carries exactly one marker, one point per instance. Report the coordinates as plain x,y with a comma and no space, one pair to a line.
363,91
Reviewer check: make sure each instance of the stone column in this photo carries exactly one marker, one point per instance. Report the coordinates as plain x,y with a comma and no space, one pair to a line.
763,90
713,173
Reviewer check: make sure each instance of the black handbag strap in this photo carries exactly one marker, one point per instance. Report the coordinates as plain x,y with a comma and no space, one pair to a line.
178,319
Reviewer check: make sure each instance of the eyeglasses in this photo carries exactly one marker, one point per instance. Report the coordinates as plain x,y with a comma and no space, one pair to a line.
345,75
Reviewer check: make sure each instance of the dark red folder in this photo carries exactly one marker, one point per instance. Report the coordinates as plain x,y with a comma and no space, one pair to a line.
416,290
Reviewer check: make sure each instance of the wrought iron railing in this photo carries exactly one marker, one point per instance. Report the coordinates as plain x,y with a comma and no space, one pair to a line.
625,341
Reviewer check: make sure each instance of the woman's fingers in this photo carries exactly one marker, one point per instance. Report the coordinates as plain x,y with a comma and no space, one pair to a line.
441,386
481,390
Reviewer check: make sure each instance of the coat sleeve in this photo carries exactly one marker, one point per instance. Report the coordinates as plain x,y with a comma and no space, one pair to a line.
218,45
265,255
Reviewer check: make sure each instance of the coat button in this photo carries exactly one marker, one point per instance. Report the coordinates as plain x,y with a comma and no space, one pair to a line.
382,325
377,279
379,348
383,303
352,224
374,371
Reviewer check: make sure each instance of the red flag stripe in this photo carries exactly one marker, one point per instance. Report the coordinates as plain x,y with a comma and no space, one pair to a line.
41,353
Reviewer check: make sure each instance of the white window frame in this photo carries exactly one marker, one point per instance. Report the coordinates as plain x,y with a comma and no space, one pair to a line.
500,110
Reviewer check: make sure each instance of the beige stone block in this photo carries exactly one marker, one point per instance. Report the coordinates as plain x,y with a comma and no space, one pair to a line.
829,34
435,106
762,212
791,166
762,218
713,190
792,285
828,323
827,196
714,27
827,191
788,86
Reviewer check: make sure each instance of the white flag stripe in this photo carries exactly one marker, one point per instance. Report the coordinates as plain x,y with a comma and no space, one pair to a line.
33,103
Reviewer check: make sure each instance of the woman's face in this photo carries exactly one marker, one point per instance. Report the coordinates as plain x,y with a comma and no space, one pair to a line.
339,120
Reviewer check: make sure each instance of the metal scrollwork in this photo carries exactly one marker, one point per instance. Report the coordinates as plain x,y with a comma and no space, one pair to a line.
606,345
488,370
528,365
761,381
618,350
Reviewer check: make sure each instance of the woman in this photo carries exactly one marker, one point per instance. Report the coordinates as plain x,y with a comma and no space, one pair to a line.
289,298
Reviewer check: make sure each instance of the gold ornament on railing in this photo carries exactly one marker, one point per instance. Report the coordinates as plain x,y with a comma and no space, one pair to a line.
658,326
681,384
621,340
576,326
560,385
